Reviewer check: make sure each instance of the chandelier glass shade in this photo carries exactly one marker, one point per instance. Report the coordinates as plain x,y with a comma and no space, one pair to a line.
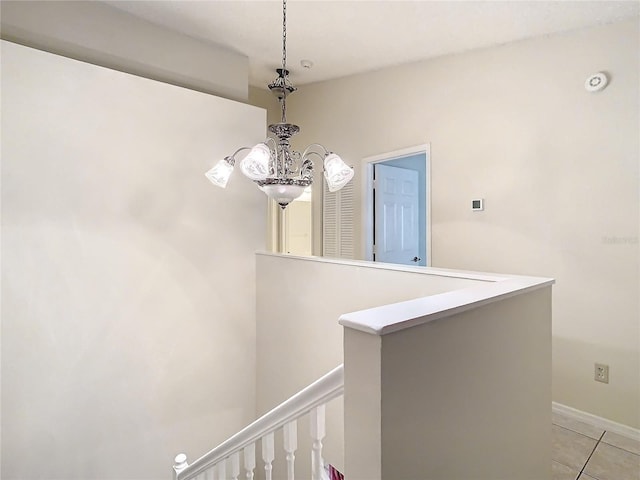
221,172
256,164
279,171
336,172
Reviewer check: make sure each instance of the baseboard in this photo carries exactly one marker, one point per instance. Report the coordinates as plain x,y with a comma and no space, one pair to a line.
605,424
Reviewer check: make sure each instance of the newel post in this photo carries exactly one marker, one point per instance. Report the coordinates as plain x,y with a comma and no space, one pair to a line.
362,405
180,463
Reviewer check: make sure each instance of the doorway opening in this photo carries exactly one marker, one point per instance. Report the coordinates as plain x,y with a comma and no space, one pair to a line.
396,207
296,227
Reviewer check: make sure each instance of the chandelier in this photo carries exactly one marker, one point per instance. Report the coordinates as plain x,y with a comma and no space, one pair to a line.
279,171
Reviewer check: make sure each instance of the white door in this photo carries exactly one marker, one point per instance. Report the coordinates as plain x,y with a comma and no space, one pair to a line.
396,215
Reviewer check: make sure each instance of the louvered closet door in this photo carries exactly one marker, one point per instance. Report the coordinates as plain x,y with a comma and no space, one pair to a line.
337,222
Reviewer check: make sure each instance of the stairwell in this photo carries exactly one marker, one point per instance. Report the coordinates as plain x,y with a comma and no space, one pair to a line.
419,377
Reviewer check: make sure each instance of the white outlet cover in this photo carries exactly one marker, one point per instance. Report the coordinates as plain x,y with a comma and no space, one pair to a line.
601,373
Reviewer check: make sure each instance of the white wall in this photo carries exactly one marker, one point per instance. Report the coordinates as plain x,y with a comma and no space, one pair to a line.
98,33
128,320
557,167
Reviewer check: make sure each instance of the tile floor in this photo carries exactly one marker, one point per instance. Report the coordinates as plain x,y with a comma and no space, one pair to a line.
582,451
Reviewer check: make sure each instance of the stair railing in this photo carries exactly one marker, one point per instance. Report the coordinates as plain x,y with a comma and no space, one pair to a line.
224,458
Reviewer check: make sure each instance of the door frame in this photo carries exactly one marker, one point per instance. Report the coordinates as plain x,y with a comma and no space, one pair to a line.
366,198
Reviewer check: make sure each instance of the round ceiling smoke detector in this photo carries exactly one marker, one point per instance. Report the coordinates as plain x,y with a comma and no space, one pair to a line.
306,64
596,82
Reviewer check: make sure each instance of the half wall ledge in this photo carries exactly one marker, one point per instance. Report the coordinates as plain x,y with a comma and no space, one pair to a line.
399,316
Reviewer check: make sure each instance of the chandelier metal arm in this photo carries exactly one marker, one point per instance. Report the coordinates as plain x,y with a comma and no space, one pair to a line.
309,150
308,154
273,141
232,158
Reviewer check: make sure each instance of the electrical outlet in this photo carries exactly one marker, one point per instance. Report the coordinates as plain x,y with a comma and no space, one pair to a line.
601,373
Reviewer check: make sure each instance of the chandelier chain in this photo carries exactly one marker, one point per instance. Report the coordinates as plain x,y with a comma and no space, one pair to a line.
284,35
283,102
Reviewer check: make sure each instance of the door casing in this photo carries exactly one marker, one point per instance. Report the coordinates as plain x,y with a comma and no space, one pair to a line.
367,196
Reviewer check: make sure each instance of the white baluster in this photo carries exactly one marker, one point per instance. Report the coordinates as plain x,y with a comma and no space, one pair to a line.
268,454
290,431
249,455
235,466
179,464
222,469
317,434
209,474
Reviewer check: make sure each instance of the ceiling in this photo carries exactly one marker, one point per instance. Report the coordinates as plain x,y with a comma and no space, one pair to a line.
346,37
